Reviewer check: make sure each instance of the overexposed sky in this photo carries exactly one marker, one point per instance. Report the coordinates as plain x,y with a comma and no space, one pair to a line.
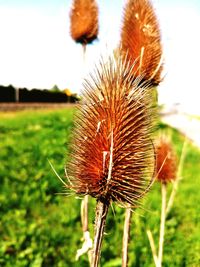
36,50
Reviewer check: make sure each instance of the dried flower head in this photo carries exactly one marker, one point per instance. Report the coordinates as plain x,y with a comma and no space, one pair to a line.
112,152
166,160
84,21
141,38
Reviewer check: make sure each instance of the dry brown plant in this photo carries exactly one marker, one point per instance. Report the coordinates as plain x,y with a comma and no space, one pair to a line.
141,38
112,151
166,167
141,44
84,29
166,171
84,21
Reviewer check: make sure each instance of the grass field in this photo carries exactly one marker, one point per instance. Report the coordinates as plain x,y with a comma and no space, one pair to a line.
40,227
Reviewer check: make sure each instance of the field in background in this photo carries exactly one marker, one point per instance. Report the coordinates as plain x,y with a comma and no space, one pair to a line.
40,227
33,106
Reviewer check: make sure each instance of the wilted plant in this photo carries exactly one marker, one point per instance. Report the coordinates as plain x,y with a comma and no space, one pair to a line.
112,152
141,44
178,176
84,21
84,30
166,166
141,38
166,171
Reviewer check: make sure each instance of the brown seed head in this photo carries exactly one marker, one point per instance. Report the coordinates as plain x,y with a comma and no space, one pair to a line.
141,38
84,21
166,160
112,154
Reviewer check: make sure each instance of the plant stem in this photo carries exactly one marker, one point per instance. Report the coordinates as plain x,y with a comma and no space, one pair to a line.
86,233
153,247
87,241
101,213
84,213
162,224
126,237
179,176
84,53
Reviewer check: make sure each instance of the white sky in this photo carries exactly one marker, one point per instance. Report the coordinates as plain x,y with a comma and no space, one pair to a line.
36,50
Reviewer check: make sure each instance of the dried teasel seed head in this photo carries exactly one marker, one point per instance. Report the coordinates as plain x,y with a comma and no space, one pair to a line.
166,168
141,38
112,152
84,21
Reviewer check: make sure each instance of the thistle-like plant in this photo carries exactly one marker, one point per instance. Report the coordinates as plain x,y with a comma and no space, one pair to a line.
141,38
84,21
84,30
112,151
166,171
141,43
166,166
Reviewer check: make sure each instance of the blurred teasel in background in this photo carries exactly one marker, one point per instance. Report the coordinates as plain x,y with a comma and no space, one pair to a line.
166,167
84,25
140,43
141,39
84,30
166,171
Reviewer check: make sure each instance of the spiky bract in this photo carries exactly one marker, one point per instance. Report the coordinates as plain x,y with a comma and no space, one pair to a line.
141,38
112,153
84,21
166,160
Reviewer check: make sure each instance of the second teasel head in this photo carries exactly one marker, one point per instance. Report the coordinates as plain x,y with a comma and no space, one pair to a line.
166,159
84,21
141,39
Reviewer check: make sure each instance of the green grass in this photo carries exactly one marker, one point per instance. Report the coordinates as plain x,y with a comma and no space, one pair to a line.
39,227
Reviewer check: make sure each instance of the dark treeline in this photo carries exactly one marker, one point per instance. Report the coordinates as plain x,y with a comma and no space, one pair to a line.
7,94
11,94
